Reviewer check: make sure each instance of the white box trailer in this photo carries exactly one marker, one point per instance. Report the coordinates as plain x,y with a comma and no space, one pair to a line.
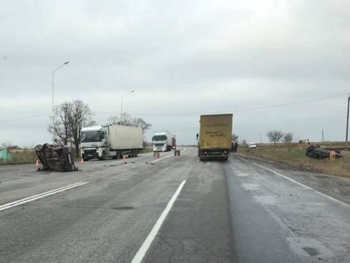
110,141
125,137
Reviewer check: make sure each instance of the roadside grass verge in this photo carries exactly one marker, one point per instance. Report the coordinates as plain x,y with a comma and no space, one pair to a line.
296,158
25,156
28,156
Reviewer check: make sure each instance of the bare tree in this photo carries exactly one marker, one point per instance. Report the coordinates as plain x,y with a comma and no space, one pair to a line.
113,120
70,118
139,122
61,127
275,136
288,139
127,120
234,137
81,116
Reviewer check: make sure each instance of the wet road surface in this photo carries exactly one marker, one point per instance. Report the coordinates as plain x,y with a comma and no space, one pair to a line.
175,209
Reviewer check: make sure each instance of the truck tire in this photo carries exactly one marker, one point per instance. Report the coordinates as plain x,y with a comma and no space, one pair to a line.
136,153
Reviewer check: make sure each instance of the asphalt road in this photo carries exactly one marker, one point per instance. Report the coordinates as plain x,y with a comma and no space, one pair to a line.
174,209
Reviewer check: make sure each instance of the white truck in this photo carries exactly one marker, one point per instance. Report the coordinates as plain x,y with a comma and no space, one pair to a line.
112,140
163,141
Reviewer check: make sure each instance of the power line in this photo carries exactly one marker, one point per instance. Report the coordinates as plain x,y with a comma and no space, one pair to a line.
197,113
292,103
234,110
23,118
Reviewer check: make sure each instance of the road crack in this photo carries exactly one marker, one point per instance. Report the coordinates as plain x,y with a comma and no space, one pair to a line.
173,249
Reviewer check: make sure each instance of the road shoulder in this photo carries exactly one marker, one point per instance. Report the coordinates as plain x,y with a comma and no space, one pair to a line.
331,185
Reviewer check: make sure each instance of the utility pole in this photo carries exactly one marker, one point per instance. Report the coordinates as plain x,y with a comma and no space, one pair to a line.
322,135
347,124
53,95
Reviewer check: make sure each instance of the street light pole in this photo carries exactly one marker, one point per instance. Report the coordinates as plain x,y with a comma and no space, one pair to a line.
121,104
347,125
53,92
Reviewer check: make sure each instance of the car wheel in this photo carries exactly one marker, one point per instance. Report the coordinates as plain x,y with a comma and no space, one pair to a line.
38,148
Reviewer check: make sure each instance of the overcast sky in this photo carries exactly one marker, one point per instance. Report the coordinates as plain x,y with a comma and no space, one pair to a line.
183,59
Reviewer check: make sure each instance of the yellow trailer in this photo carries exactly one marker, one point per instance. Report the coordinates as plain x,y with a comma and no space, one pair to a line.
215,136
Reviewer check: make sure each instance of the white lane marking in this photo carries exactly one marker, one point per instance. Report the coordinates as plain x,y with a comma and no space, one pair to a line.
305,186
39,196
286,177
147,243
165,157
168,156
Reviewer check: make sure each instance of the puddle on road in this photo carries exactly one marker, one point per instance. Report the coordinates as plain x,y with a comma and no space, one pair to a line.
309,247
311,251
240,174
265,200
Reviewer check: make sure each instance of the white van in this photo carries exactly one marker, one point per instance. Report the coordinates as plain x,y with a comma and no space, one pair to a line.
252,145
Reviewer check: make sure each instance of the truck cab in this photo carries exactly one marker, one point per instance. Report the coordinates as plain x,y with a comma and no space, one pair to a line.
163,141
94,142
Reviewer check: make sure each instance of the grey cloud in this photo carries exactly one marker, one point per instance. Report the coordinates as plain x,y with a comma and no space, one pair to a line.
182,58
285,65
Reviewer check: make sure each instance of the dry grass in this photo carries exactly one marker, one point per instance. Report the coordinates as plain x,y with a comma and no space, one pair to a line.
28,156
25,156
296,157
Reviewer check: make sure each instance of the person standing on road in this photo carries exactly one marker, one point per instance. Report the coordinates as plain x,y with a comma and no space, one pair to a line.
235,146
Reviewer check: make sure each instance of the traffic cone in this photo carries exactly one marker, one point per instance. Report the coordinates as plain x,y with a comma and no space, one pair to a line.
81,161
156,155
124,159
37,165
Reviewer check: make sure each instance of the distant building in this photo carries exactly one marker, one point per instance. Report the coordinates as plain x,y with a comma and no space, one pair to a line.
5,156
